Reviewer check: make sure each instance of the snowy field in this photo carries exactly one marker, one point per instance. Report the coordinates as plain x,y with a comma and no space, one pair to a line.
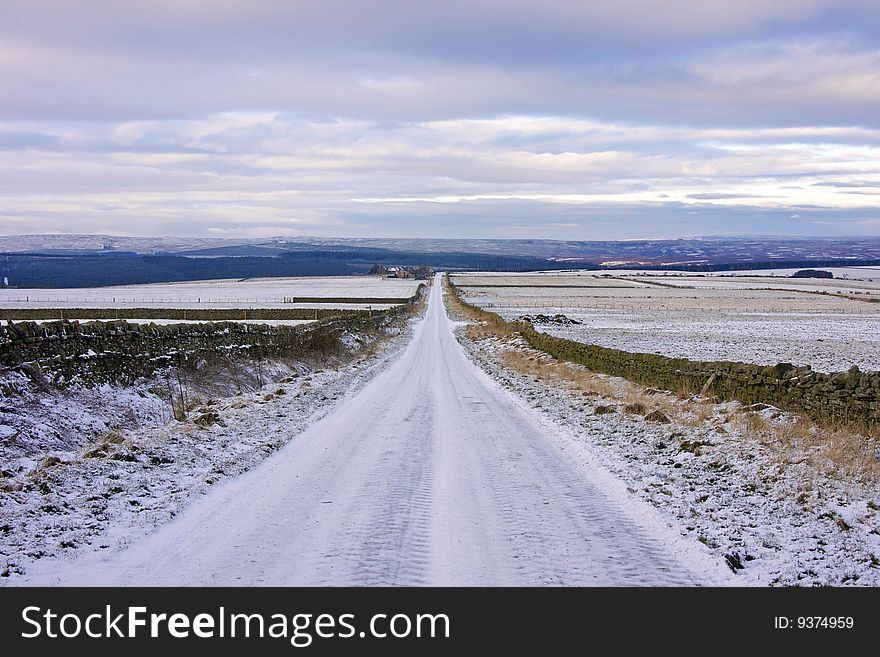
718,321
830,286
854,273
549,280
228,293
826,342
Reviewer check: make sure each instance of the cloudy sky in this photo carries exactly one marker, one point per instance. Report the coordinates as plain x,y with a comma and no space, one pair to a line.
564,119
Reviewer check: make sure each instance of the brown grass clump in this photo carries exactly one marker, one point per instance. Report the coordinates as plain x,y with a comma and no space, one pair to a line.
684,391
695,414
574,377
754,426
103,446
852,451
635,408
10,485
209,419
837,450
40,473
799,431
658,416
482,330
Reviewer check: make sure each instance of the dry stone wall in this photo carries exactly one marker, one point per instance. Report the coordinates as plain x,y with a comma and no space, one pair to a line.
846,396
96,352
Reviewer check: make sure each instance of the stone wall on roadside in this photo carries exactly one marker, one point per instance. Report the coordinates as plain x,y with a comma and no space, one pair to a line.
96,352
851,395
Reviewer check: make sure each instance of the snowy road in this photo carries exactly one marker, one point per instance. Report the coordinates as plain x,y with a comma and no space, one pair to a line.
430,475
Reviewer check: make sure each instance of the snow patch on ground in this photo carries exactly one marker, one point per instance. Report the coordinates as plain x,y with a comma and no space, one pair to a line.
35,420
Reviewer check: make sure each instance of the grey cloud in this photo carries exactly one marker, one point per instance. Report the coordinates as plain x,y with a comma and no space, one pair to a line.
741,63
14,140
717,196
848,183
612,117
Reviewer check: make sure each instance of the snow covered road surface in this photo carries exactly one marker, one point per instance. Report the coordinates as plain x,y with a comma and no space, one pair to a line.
430,475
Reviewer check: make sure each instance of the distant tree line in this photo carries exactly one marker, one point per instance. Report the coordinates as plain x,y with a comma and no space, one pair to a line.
812,273
97,270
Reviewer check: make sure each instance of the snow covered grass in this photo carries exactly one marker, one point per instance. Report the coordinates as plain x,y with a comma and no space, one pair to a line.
88,469
836,286
826,450
557,280
668,298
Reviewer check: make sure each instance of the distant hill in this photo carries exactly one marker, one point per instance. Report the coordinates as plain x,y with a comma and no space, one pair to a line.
95,260
691,251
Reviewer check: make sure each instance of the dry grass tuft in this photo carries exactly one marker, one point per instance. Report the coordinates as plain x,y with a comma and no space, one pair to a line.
753,426
832,449
635,408
483,329
695,413
684,391
574,377
658,416
103,445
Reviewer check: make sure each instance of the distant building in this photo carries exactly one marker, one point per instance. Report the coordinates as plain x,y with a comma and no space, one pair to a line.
399,272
